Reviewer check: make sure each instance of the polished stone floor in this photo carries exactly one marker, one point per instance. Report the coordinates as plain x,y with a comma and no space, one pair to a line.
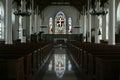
59,66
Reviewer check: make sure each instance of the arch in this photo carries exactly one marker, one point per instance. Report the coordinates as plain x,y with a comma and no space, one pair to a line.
1,20
60,23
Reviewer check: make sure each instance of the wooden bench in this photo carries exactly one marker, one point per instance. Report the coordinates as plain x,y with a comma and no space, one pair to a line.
32,54
107,68
11,67
27,61
88,53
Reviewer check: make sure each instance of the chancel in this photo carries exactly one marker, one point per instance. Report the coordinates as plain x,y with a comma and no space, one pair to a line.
59,39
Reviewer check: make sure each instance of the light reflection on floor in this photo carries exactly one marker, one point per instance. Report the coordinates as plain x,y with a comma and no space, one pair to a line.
59,67
59,64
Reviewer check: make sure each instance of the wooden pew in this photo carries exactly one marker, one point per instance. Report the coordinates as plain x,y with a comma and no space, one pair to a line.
11,67
107,68
90,52
90,67
27,61
31,54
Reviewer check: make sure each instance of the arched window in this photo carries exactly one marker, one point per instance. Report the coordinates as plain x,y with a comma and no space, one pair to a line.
118,13
1,21
60,23
69,25
50,26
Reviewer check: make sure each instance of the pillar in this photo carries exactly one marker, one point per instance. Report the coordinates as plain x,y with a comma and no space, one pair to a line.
96,29
81,23
89,23
21,28
89,28
24,30
31,19
84,29
104,27
31,22
112,9
35,23
22,23
40,23
8,20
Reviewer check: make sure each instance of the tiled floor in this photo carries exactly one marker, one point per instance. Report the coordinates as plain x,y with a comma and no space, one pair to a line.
59,67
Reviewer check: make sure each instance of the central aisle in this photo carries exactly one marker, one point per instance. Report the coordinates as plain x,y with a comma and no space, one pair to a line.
59,66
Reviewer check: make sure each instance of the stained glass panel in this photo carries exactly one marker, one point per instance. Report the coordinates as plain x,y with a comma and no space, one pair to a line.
60,23
50,25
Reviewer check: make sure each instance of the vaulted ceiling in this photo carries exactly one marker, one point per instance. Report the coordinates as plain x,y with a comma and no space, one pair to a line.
75,3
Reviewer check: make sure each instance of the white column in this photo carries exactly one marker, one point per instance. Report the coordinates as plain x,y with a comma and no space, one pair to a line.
31,18
8,20
16,25
84,29
24,30
21,29
104,27
89,23
96,30
89,28
111,40
31,22
35,23
40,23
37,20
81,23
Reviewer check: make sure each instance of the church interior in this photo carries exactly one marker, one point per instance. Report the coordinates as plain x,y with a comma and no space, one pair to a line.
59,39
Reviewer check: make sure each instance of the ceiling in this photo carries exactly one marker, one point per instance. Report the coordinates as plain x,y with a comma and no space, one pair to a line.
78,4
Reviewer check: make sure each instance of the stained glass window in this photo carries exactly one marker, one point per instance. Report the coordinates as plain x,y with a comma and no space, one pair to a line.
50,26
60,23
69,25
1,21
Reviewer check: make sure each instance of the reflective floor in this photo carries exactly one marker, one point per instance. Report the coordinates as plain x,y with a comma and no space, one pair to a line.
60,66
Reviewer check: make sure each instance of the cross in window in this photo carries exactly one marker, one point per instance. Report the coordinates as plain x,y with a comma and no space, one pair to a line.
60,22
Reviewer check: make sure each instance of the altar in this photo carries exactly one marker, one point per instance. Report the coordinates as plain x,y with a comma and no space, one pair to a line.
61,37
60,40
